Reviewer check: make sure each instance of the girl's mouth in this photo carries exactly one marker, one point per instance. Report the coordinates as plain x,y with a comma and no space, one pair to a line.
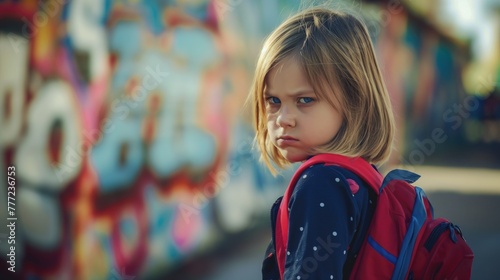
286,140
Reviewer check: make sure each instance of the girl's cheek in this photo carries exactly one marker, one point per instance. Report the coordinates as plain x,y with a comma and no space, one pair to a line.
270,122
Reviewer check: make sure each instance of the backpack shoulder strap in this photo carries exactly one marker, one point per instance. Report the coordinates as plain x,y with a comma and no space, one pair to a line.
357,165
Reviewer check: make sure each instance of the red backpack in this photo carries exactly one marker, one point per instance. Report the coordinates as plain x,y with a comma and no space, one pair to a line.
404,241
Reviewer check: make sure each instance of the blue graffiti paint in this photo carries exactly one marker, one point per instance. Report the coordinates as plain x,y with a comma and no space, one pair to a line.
105,156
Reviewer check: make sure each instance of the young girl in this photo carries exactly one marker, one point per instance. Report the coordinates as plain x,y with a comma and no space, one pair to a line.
318,89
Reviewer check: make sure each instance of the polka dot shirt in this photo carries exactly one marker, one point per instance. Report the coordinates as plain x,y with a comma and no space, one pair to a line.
329,211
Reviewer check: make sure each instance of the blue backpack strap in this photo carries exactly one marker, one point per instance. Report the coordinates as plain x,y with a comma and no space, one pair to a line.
399,174
419,216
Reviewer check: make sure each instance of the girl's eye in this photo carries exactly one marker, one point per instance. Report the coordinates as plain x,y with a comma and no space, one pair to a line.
273,100
305,100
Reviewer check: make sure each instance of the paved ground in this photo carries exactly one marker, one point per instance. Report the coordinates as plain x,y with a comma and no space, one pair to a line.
475,206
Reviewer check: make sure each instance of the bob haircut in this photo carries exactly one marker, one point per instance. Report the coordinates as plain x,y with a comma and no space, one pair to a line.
336,54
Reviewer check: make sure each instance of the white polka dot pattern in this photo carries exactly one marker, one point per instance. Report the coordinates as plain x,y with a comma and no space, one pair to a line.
302,243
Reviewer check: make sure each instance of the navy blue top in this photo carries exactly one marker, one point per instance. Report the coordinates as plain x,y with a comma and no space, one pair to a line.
329,214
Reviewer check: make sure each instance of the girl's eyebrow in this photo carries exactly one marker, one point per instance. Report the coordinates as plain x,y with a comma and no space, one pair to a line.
293,94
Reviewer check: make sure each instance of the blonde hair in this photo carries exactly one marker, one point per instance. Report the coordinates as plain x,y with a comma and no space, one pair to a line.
336,54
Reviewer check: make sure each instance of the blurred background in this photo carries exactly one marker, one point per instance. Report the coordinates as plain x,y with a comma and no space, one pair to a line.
132,148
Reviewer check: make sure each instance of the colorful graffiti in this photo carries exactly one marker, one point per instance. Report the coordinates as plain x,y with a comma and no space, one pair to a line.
119,117
424,71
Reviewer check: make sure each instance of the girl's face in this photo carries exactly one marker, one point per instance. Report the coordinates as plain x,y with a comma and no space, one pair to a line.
296,120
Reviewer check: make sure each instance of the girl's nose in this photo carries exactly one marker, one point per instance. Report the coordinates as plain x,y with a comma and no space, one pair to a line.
285,119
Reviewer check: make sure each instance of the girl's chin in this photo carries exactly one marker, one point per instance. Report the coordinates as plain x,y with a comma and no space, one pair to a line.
293,158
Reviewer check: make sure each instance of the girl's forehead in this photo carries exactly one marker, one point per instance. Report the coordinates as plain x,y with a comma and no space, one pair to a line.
288,71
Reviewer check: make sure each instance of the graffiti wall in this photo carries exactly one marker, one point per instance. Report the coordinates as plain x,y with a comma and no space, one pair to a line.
121,122
424,68
126,147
